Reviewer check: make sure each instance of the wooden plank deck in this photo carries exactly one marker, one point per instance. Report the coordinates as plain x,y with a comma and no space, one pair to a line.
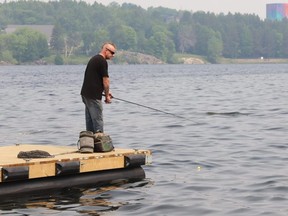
45,167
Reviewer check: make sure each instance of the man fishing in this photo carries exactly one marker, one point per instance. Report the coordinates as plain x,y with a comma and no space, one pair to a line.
96,82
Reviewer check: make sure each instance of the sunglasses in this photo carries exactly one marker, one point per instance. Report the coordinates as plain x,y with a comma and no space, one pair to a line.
110,51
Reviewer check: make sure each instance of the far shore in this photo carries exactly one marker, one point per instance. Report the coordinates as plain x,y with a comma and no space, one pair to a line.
126,58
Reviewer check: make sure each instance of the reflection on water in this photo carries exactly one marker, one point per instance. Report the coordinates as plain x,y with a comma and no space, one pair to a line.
90,201
226,155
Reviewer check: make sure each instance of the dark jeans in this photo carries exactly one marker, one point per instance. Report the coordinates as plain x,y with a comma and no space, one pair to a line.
93,114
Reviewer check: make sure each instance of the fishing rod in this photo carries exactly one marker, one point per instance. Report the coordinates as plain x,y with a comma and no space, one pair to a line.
151,108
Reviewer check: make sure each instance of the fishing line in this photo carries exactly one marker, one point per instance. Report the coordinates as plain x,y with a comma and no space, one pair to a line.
151,108
148,107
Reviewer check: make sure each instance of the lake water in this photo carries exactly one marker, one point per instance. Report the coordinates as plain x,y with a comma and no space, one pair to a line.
224,153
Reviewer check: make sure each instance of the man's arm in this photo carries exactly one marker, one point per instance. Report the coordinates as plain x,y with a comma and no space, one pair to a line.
106,84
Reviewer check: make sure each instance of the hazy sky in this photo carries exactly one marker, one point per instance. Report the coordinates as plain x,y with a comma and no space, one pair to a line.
257,7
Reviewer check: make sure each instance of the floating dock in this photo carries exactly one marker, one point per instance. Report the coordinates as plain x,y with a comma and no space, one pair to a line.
66,168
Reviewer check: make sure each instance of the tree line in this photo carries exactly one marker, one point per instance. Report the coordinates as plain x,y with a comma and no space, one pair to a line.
80,28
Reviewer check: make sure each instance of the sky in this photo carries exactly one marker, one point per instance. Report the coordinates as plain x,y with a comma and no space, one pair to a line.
257,7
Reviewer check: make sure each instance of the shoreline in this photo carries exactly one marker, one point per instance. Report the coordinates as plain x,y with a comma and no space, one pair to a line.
148,60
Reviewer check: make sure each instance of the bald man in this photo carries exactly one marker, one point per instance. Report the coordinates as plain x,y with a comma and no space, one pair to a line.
96,83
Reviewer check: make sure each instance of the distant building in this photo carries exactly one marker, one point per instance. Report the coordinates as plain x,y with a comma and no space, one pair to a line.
44,29
277,11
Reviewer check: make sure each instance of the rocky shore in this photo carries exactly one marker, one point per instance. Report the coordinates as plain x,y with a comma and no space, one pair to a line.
128,57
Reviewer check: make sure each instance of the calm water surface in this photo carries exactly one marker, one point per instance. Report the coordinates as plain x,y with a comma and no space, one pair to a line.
227,156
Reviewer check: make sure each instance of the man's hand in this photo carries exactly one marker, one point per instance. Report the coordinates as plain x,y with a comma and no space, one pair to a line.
108,98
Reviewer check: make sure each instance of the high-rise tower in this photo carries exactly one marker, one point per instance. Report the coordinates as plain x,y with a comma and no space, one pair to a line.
277,11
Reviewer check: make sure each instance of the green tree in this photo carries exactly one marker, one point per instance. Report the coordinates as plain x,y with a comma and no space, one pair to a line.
186,38
87,38
161,46
230,36
57,39
2,46
100,36
28,45
203,34
284,29
72,42
246,42
214,48
125,37
58,60
5,53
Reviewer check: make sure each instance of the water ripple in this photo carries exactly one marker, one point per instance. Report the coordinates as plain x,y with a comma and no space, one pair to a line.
225,156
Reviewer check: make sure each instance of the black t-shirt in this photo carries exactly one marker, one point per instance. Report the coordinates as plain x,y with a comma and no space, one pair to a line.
96,69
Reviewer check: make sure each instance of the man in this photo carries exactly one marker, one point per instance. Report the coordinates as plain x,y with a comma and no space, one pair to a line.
96,82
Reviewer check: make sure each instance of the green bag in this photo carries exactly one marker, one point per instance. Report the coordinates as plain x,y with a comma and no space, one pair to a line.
102,143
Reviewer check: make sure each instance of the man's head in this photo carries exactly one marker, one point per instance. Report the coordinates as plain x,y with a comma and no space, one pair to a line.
108,50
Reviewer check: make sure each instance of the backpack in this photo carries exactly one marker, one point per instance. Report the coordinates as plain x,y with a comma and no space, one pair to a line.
98,142
102,143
